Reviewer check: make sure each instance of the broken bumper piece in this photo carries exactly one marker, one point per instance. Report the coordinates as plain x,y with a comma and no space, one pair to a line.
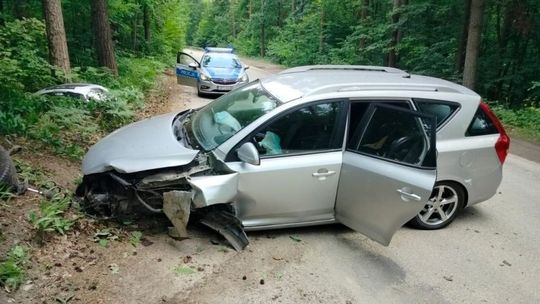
229,226
176,206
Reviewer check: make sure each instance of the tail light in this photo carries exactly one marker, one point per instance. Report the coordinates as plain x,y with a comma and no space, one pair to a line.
503,142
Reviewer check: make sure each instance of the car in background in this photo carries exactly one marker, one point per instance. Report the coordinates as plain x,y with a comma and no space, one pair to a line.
369,147
218,72
84,91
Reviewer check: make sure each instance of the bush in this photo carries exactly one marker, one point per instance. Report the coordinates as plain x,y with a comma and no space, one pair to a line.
523,121
11,269
50,216
66,125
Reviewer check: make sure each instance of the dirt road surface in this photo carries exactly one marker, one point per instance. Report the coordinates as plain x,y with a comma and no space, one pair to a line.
488,255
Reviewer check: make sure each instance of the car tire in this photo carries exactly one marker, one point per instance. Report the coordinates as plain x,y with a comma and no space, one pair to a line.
446,200
8,174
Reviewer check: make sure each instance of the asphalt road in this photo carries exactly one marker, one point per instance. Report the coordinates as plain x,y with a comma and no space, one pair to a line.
490,254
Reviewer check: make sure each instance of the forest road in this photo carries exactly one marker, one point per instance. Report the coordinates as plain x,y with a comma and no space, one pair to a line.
488,255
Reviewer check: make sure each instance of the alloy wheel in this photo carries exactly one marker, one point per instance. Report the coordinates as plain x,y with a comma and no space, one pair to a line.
441,207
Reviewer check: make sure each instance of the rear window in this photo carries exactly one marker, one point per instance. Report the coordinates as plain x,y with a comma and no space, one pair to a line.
441,110
481,125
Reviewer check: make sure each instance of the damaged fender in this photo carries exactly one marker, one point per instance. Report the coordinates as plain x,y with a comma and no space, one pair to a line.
207,191
213,189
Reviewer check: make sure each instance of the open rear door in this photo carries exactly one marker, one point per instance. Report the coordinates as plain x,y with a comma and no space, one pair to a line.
187,69
388,173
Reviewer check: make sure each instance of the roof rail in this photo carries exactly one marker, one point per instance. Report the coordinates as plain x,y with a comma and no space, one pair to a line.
367,68
380,87
396,86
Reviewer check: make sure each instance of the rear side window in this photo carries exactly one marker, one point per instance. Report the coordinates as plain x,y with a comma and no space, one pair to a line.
481,125
441,110
398,135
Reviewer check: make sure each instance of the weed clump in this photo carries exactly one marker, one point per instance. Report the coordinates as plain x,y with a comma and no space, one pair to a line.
12,272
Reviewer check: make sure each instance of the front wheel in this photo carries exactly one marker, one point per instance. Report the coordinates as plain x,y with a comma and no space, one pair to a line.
8,174
444,203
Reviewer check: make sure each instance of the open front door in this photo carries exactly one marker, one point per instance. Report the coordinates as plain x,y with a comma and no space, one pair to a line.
388,173
187,69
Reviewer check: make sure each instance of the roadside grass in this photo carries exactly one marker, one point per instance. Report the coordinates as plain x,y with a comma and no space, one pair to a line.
50,216
520,122
12,272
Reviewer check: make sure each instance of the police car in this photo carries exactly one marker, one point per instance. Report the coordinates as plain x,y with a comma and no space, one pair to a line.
218,72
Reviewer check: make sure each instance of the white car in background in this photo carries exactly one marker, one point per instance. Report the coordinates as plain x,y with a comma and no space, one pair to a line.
84,91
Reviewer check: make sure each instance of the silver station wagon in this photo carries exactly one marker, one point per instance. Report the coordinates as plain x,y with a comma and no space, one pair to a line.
369,147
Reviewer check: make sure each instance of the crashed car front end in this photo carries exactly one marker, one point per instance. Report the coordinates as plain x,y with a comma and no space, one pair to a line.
151,167
168,164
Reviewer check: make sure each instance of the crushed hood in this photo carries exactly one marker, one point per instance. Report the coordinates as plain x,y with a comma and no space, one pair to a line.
144,145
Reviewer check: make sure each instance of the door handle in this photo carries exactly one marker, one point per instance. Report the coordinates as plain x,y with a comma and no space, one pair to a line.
406,194
323,174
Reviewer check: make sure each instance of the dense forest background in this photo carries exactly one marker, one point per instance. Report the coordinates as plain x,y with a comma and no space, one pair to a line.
490,46
429,37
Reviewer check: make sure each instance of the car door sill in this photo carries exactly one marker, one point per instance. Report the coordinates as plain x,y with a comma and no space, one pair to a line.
289,225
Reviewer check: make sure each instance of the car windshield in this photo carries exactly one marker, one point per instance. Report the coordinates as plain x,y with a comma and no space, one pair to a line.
227,61
224,117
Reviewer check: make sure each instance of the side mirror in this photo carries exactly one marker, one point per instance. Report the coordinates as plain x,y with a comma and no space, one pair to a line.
246,67
248,154
193,65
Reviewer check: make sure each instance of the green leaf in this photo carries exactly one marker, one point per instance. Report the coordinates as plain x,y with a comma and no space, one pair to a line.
104,243
183,270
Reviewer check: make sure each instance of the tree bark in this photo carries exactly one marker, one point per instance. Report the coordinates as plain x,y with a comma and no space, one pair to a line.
103,36
460,56
2,12
321,29
233,19
56,36
146,23
396,33
364,6
134,26
20,9
473,43
263,31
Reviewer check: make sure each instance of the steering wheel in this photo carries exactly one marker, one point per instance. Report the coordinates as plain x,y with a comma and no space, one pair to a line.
400,147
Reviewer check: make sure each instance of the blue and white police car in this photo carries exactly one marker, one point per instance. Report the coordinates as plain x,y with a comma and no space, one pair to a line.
218,72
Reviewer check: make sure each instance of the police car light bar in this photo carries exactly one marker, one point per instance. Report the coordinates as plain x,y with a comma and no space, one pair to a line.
219,50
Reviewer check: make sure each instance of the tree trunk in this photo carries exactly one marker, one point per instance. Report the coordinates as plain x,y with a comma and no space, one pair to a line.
263,31
364,6
473,43
134,33
250,9
56,36
460,56
321,29
103,36
146,23
233,19
19,9
396,33
503,34
2,12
